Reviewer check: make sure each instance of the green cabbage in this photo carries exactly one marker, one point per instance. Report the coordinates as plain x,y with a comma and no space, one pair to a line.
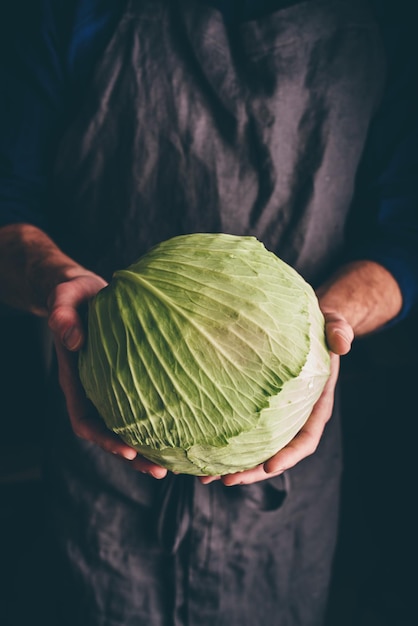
206,355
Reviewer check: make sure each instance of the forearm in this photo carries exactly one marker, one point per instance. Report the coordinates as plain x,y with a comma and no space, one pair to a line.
364,293
31,265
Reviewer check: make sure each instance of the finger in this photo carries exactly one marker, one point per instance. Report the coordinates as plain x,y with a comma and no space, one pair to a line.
339,333
92,428
65,322
206,480
85,422
247,477
64,319
69,381
304,444
145,466
306,441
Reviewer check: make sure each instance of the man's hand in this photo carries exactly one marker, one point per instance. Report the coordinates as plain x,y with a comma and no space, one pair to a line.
36,276
339,337
358,299
69,336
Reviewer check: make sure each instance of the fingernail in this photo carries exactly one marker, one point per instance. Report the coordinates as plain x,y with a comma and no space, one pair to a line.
71,338
129,455
155,475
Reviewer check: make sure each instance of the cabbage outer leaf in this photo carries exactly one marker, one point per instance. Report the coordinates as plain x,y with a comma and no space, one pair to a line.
206,355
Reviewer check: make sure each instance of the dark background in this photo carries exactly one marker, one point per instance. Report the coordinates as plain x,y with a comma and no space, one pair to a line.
375,577
375,580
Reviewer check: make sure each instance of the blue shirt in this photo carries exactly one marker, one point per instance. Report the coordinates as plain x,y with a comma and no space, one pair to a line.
47,59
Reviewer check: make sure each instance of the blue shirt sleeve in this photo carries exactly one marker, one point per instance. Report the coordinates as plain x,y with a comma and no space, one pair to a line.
48,49
384,224
31,79
47,58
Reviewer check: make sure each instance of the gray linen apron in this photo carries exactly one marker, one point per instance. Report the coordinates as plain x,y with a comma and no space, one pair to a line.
191,124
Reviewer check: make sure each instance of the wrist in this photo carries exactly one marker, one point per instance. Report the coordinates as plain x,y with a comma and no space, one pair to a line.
364,294
31,266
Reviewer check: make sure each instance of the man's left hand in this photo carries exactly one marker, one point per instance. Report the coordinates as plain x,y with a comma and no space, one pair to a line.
339,336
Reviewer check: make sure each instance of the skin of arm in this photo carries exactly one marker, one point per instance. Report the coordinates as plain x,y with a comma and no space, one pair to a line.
36,276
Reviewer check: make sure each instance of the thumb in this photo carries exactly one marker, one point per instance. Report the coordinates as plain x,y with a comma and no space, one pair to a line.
339,333
66,325
65,300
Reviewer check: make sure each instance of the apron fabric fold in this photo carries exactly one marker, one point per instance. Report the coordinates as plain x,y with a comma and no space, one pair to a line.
193,123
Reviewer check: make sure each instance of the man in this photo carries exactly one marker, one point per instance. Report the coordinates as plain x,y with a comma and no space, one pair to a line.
129,123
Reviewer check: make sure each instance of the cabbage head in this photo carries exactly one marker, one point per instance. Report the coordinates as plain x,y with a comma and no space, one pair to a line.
206,355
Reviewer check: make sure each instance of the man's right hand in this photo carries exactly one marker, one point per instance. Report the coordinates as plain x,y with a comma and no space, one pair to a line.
38,277
69,335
